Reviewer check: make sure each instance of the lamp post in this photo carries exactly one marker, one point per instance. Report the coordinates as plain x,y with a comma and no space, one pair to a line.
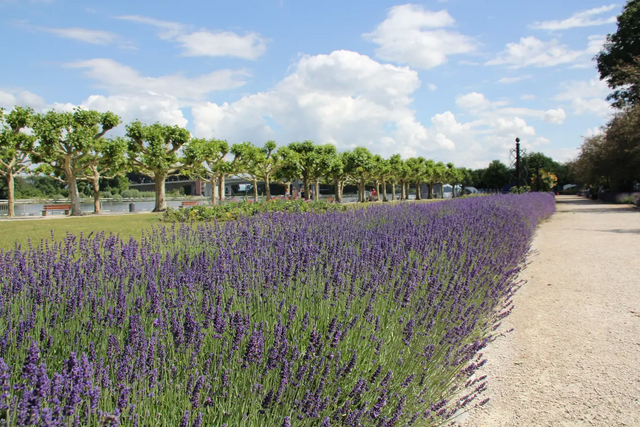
518,163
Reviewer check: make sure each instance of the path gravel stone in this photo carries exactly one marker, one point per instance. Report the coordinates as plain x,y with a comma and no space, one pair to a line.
574,356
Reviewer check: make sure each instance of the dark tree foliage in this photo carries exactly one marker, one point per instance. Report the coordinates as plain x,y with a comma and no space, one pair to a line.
619,60
612,159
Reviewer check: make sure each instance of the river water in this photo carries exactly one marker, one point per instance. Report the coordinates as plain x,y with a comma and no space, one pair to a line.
35,209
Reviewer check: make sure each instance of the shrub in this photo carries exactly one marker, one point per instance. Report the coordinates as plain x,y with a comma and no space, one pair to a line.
627,200
238,210
520,190
106,194
130,194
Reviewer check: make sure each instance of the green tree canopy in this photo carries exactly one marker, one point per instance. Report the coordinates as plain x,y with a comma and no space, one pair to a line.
619,60
496,175
205,159
16,147
154,151
67,143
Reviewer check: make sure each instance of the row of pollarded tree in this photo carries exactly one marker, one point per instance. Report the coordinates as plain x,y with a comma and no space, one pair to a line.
72,147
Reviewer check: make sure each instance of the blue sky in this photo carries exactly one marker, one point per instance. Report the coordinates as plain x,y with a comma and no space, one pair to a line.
453,80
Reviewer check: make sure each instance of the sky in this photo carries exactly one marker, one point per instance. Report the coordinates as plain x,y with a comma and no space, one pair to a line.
454,80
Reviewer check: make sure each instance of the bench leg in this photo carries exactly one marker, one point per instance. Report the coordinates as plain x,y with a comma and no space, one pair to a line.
44,213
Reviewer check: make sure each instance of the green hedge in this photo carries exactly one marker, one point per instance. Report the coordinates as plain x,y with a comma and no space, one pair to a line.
246,209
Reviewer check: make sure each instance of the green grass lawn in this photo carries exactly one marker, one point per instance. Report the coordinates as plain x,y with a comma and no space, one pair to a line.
20,231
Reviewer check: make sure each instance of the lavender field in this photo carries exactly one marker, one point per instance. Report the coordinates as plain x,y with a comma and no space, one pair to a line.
375,317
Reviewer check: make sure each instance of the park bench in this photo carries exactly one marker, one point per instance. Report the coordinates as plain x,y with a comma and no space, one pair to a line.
187,204
58,207
329,199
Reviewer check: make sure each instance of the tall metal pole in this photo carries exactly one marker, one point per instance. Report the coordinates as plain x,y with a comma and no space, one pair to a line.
518,163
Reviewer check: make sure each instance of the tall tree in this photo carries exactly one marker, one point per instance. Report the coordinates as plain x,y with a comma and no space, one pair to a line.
247,158
360,164
416,167
396,164
338,174
154,152
105,161
383,174
431,176
325,156
288,171
16,147
67,144
269,161
303,157
619,60
205,160
495,176
466,179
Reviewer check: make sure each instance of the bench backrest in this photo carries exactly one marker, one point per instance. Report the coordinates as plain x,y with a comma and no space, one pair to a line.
189,203
59,207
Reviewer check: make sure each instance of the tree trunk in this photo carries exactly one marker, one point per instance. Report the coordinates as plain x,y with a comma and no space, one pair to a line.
418,192
363,198
336,190
431,190
214,190
267,189
384,190
10,190
221,189
393,191
305,183
316,192
95,181
161,200
255,190
72,183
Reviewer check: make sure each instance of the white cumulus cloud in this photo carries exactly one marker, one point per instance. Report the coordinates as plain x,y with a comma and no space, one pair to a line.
86,35
418,37
118,78
344,97
511,80
585,18
586,97
204,42
21,98
531,51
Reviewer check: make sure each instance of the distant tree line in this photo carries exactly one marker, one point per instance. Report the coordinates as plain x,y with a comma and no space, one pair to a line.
68,153
612,158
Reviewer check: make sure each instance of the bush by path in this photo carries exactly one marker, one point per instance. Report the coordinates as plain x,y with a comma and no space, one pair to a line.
236,210
372,317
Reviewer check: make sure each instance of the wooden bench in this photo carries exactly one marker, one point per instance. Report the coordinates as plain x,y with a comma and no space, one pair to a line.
188,203
58,207
329,199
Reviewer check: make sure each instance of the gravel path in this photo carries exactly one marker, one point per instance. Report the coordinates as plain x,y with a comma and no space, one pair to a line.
574,356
